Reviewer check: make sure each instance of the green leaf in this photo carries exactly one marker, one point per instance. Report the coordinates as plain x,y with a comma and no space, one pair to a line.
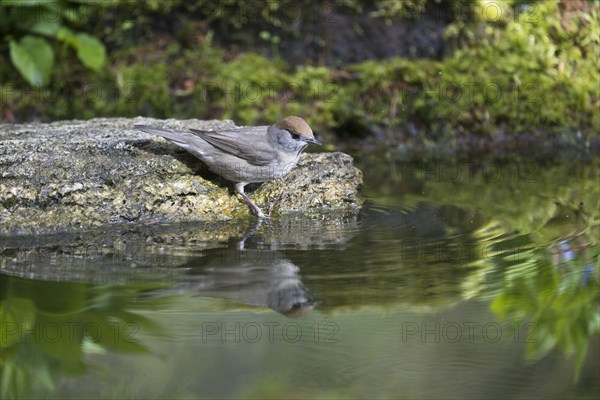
66,35
90,51
45,27
33,57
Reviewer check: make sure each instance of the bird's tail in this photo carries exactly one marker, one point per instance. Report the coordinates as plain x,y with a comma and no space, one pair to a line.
182,139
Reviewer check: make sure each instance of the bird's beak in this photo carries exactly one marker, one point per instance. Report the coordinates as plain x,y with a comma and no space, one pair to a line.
313,141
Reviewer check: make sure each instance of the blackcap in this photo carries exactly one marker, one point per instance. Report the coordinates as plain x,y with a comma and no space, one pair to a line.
247,154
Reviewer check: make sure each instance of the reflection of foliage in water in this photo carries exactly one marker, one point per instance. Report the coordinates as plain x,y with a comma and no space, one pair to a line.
557,289
47,328
551,201
426,257
543,266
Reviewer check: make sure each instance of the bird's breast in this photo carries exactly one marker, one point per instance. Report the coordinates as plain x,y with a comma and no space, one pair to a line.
238,170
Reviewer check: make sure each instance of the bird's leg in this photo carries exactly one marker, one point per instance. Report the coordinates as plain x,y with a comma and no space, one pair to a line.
239,187
250,231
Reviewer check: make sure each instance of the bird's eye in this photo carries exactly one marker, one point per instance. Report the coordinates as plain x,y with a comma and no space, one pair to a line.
295,136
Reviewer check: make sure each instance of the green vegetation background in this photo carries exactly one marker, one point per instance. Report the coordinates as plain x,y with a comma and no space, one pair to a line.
510,67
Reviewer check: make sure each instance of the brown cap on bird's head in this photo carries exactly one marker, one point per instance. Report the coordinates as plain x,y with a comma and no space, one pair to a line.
298,127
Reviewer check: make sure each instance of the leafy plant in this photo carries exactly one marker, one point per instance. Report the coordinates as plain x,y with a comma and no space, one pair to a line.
30,27
556,291
42,340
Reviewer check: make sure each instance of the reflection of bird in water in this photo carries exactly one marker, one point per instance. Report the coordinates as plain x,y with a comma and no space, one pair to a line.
265,277
261,278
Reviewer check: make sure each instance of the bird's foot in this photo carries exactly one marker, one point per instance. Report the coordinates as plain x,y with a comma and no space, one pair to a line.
240,190
262,215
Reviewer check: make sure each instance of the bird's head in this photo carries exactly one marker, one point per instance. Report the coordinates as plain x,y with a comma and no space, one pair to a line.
293,134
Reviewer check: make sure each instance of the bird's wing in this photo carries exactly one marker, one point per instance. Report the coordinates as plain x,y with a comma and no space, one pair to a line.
232,142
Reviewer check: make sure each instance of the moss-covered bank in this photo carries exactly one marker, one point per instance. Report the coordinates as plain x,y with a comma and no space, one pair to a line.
527,67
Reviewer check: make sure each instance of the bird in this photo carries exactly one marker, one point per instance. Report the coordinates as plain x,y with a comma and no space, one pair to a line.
244,155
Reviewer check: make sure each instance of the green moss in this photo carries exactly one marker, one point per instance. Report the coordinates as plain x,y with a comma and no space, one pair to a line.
9,203
511,74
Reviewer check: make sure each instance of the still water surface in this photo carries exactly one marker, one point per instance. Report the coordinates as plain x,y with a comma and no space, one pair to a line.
455,281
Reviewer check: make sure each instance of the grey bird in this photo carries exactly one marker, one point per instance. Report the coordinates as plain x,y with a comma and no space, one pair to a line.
247,154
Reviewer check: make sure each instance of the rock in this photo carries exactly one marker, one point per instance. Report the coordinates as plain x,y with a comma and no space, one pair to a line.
82,174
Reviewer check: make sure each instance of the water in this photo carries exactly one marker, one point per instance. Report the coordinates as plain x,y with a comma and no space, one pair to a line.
455,281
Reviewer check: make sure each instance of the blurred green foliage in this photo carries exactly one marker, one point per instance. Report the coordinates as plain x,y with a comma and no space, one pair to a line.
31,29
48,329
556,289
514,66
